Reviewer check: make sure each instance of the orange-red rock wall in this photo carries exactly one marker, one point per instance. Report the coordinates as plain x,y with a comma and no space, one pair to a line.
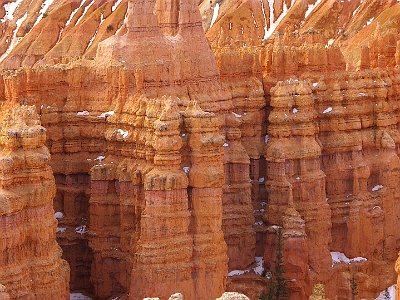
30,259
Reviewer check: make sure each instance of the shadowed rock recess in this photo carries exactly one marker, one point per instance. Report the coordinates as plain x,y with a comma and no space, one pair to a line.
152,148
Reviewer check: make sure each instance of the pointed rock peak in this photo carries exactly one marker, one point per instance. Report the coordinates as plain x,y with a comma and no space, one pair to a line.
194,110
192,107
387,141
318,292
170,110
153,108
304,87
142,102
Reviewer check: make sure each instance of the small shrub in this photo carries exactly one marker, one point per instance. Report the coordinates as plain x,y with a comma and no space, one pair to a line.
110,28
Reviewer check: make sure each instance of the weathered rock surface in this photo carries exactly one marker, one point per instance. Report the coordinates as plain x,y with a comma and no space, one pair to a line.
233,296
3,294
31,266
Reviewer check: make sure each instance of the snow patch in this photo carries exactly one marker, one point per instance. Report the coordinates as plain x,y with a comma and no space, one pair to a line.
78,296
330,42
328,110
58,215
81,229
389,292
74,13
10,9
226,145
377,187
295,110
82,113
97,30
14,40
370,21
100,158
266,139
215,14
259,268
45,6
311,7
186,169
116,4
106,114
237,272
358,7
122,133
261,179
236,115
61,229
272,25
339,257
84,12
123,23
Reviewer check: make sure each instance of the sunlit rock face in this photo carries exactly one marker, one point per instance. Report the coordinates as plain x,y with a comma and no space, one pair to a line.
31,264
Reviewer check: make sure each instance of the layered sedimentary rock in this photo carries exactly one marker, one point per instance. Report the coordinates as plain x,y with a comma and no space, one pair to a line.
296,253
355,185
168,236
31,264
292,123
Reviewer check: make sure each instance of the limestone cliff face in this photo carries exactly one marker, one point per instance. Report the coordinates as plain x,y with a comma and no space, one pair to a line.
31,264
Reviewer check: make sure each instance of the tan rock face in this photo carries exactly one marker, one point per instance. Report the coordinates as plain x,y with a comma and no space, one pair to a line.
233,296
3,293
31,264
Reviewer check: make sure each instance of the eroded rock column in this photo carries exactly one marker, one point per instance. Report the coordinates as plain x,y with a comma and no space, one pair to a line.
30,258
206,177
293,156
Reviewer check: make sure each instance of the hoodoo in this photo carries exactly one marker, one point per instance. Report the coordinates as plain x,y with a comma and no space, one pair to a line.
31,264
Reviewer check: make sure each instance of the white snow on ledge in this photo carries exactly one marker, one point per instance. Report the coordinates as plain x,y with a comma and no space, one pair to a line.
10,9
215,14
311,7
82,113
81,229
339,257
391,292
116,4
78,296
43,10
377,187
237,272
124,134
58,215
61,229
106,114
258,269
